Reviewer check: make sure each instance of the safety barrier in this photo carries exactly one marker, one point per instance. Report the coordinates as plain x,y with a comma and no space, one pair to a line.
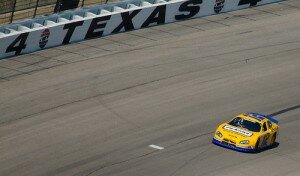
96,21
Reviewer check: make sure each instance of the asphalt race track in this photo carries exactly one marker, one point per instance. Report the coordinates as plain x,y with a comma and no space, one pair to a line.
94,107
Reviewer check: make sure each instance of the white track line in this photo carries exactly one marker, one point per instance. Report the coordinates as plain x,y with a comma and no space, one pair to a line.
156,147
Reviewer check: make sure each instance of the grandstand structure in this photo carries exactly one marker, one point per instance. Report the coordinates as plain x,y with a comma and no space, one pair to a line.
14,10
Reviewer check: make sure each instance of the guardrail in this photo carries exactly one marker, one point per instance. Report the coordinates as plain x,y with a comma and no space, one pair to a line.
96,21
11,10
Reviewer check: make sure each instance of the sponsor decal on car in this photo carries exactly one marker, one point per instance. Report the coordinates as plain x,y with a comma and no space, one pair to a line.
238,130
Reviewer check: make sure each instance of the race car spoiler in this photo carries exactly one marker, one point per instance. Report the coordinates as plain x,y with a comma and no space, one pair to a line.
262,116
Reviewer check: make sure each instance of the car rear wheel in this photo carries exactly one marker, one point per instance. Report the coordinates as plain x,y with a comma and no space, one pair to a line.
273,139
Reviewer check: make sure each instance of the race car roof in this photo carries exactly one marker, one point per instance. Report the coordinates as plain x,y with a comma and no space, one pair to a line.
261,117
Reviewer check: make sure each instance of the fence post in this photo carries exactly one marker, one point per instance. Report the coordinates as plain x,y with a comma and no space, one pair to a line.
36,6
13,11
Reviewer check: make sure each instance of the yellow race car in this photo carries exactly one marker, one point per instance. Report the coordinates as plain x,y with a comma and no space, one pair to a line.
247,132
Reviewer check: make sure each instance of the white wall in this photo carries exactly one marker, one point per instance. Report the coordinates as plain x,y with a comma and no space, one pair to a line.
30,35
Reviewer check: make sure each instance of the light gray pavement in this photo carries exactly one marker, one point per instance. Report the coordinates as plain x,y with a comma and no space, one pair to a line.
94,107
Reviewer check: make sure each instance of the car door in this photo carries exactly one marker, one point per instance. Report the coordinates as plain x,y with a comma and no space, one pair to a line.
266,134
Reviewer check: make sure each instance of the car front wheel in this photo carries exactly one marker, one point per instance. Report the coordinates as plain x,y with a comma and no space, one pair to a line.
256,148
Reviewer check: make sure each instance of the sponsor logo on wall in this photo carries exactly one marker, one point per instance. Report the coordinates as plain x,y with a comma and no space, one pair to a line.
219,5
44,38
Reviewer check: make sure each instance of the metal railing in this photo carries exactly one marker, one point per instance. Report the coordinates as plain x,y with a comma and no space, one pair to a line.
12,10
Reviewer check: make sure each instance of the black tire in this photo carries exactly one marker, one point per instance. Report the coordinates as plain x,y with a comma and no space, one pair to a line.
256,149
273,139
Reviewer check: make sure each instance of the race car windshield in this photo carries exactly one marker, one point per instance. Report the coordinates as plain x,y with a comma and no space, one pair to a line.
251,126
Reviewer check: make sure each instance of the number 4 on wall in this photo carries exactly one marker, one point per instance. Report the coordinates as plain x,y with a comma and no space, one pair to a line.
251,2
18,44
